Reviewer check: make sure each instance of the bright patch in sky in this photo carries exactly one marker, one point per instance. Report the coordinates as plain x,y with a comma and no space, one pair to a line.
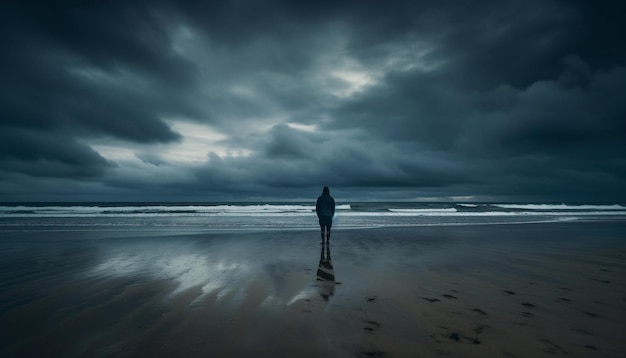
197,142
182,38
114,152
303,127
355,81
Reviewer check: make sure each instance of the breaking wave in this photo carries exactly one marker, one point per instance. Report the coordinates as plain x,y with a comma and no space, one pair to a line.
560,207
289,215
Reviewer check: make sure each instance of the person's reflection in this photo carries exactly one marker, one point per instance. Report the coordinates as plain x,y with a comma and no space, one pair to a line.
326,274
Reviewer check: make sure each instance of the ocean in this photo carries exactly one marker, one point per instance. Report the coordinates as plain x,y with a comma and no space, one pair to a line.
276,215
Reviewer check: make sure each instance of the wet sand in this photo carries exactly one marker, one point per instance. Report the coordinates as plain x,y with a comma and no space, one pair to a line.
462,291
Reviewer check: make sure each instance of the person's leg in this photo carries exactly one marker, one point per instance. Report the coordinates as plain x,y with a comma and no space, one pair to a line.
328,231
322,229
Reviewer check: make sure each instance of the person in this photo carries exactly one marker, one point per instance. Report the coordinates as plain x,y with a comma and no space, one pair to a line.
325,209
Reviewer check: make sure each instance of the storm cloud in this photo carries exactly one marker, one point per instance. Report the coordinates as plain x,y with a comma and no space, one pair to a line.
237,100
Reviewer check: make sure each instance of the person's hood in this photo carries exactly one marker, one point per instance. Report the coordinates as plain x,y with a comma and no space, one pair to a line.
326,191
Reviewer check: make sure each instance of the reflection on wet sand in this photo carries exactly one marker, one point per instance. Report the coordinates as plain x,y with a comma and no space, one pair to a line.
206,271
326,273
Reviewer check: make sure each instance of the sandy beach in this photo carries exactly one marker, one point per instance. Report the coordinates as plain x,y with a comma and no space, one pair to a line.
526,290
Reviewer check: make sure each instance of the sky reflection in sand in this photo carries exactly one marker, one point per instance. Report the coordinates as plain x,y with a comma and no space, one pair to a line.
227,271
186,270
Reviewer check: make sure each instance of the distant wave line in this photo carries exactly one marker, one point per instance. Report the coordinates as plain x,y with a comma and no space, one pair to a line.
560,207
159,210
312,214
444,210
287,210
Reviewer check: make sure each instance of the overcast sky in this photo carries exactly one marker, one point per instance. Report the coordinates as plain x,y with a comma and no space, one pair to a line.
256,100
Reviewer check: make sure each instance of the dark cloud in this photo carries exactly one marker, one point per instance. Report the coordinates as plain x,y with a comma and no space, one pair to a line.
89,69
490,99
47,155
108,36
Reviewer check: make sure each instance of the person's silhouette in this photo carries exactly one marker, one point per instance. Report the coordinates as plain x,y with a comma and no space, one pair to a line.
325,209
326,274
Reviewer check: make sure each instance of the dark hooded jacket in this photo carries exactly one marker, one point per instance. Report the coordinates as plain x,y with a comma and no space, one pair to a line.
325,206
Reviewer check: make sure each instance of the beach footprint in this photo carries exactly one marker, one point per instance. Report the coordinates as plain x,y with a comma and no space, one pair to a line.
371,326
478,310
552,348
455,336
479,328
600,280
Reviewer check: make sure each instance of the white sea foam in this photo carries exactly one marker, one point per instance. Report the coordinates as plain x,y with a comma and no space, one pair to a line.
487,213
245,216
419,211
560,207
151,210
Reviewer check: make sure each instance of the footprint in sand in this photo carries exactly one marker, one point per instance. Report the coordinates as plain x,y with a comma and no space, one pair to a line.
431,300
527,314
510,293
457,337
553,348
371,326
598,280
478,310
529,305
450,297
479,328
